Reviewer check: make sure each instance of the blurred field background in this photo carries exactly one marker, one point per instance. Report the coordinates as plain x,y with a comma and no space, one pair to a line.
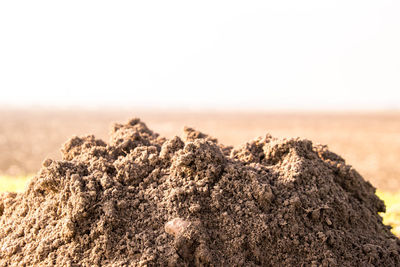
369,141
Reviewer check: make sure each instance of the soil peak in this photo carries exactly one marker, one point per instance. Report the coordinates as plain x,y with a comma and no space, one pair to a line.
144,200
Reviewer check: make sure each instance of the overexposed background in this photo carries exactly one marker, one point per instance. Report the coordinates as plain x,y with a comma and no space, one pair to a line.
201,54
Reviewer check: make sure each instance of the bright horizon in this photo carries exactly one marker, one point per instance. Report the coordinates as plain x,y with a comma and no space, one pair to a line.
341,55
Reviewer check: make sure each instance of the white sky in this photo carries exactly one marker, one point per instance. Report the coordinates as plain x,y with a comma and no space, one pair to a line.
201,54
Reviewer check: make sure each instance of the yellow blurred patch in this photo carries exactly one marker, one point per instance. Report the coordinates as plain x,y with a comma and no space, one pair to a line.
13,184
392,214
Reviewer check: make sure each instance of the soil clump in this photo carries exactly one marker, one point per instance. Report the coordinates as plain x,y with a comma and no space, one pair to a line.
143,200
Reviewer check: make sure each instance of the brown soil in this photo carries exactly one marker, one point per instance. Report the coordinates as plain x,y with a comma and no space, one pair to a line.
143,200
368,141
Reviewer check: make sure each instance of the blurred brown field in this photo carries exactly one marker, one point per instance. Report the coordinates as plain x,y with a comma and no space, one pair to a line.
370,141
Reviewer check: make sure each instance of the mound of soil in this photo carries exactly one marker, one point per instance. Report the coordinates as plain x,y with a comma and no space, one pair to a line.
142,200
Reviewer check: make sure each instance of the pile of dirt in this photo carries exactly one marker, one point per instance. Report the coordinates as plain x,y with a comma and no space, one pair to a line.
144,200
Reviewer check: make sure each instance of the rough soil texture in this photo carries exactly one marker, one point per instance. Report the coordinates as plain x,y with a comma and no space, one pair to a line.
367,140
143,200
